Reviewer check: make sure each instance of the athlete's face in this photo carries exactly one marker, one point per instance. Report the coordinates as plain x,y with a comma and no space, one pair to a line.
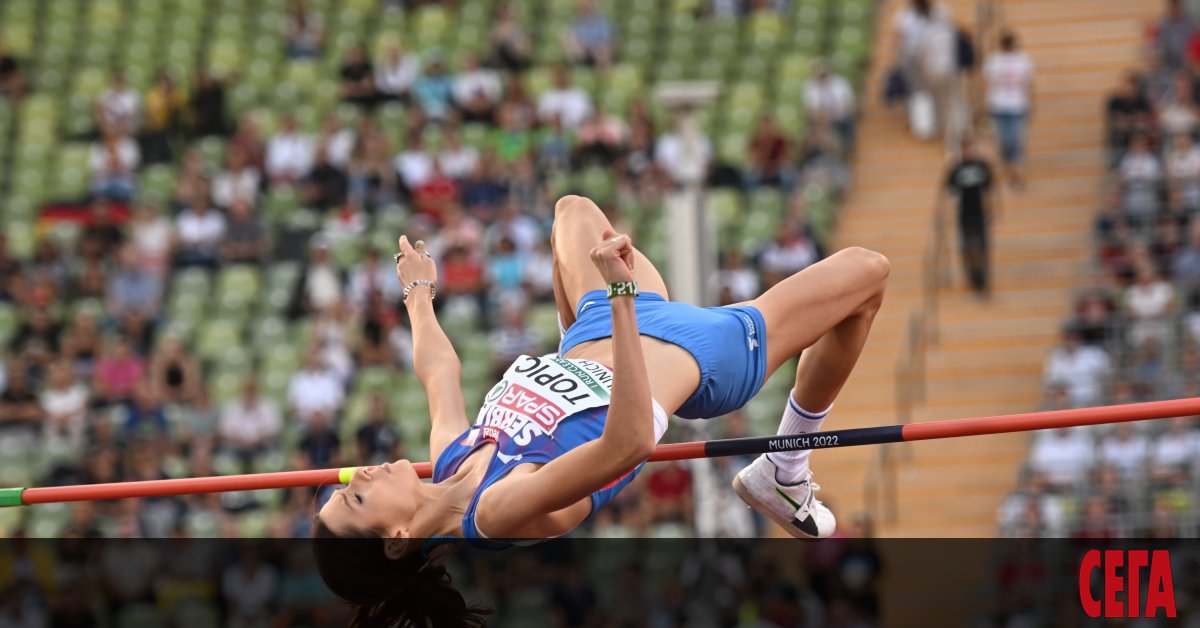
380,500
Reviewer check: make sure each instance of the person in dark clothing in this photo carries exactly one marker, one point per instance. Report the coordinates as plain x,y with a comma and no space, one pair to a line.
207,106
1128,112
378,440
969,181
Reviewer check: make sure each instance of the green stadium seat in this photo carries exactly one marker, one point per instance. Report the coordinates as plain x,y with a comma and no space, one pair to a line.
237,289
216,335
9,321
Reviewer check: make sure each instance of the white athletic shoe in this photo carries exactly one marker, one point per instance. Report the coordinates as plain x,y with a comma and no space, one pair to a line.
792,506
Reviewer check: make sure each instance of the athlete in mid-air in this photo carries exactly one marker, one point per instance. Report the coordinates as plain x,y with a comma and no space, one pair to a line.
562,434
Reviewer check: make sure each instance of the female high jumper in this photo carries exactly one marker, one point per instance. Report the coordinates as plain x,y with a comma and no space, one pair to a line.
560,435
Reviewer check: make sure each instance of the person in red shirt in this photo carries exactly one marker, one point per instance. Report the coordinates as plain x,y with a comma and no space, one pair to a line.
432,197
670,488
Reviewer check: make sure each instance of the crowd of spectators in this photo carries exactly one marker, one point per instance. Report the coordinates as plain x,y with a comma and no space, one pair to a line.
1133,335
189,582
98,370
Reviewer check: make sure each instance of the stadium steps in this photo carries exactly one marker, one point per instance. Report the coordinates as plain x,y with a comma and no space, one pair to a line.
990,358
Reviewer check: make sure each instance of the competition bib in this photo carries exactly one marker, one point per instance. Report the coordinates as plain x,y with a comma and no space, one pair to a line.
539,392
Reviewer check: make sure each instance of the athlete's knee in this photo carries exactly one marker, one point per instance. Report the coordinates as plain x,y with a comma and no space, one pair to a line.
570,203
874,267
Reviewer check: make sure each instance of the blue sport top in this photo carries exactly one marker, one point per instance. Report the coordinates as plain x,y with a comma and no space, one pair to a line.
527,416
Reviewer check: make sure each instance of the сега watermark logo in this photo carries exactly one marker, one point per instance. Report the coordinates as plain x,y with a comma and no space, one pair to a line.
1123,574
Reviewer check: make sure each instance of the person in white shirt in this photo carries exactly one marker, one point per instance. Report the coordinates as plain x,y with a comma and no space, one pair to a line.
322,282
119,107
414,164
1141,172
1149,304
65,401
199,231
572,105
338,141
1009,76
1081,369
1176,449
684,154
1063,456
457,160
290,154
396,73
113,164
829,100
476,90
250,423
735,281
238,182
1125,450
314,389
151,236
1183,170
373,275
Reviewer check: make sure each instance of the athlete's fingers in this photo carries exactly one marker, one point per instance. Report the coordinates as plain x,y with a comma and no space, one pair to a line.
405,247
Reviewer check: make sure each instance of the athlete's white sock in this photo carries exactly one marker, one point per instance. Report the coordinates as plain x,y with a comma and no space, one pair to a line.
792,465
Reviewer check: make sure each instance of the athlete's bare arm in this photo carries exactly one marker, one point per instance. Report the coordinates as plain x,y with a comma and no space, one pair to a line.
517,503
434,359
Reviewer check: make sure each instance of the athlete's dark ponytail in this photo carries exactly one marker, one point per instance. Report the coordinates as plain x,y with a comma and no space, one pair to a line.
412,591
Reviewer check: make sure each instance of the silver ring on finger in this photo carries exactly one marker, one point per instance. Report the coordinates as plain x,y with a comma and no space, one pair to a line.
397,257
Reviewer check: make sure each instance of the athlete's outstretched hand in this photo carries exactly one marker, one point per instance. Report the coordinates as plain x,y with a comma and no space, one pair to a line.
613,257
416,264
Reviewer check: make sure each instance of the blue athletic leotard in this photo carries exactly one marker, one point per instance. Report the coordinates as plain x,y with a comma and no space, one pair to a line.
528,417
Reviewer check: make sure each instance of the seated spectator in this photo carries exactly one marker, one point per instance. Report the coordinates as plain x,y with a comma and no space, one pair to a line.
89,280
476,91
1033,492
206,107
250,423
1081,369
325,185
1149,305
1095,317
1177,109
601,139
314,390
150,235
433,91
591,38
462,278
165,106
554,147
370,177
320,443
511,140
456,160
435,194
1128,112
372,275
1125,450
133,289
65,401
484,191
793,249
1063,456
519,226
458,229
512,339
1171,36
21,412
358,77
735,281
290,154
1140,173
145,415
506,272
12,80
191,181
378,440
119,108
114,163
1176,449
175,372
117,372
570,104
1098,521
248,140
303,32
199,230
517,99
82,343
1183,170
684,154
414,164
510,44
338,140
11,275
829,100
769,155
396,73
239,181
36,340
669,488
322,279
246,239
